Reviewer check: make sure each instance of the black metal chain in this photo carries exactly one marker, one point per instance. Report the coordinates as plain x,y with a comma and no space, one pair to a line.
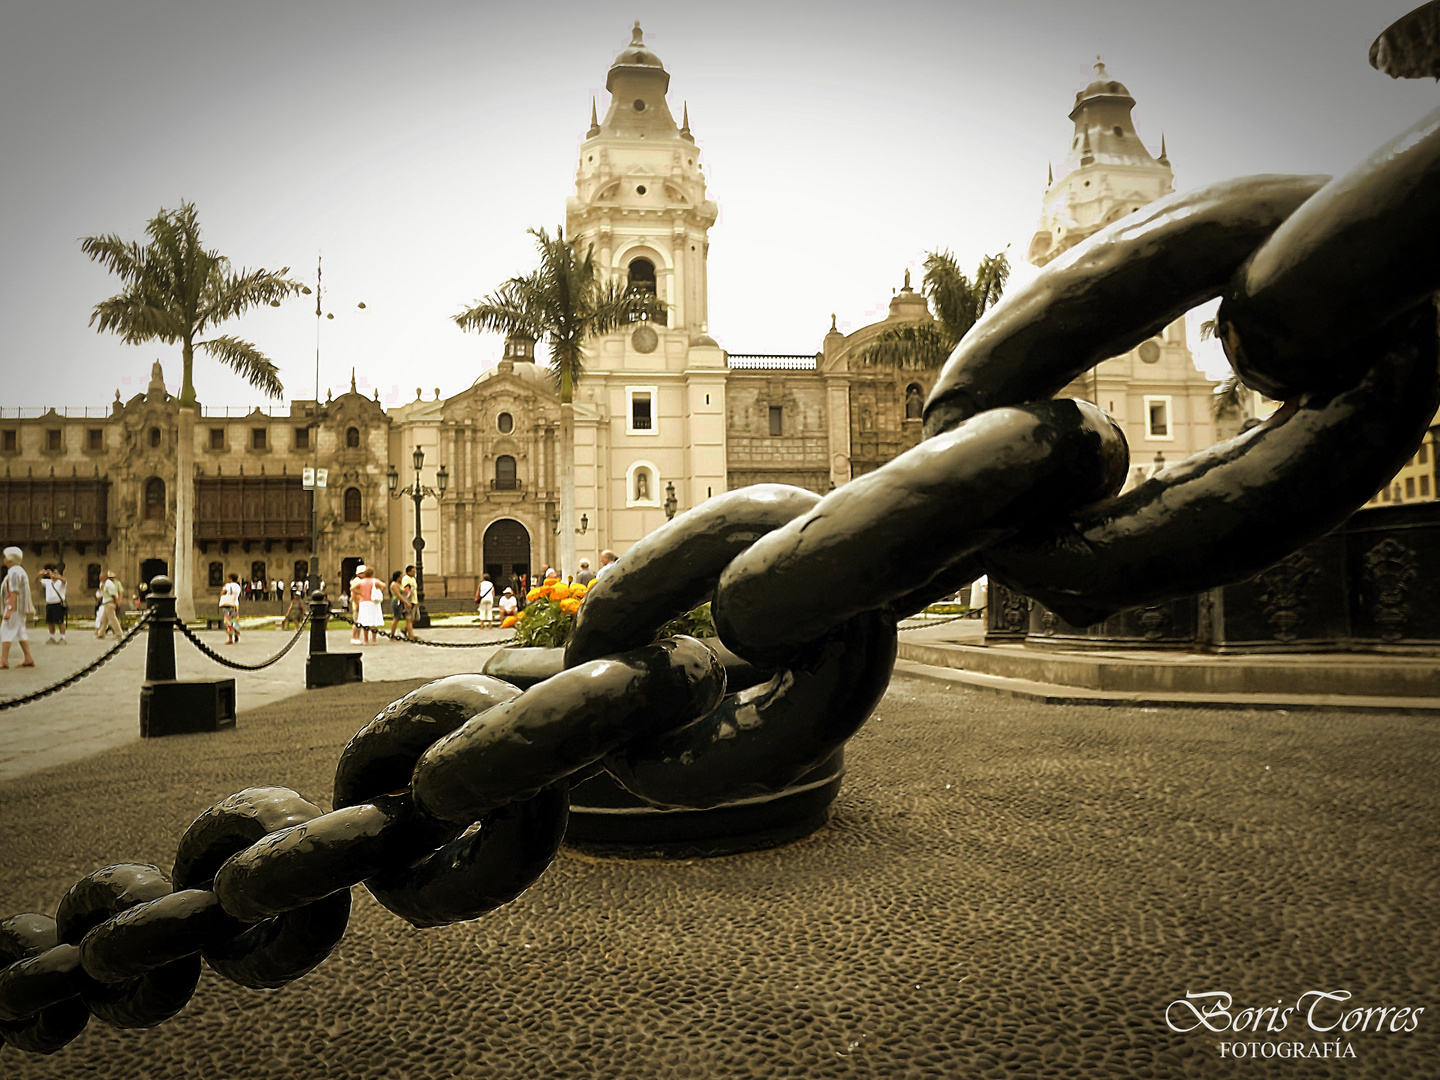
227,662
382,632
90,668
1020,488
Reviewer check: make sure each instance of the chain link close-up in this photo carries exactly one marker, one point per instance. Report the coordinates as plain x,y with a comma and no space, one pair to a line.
454,799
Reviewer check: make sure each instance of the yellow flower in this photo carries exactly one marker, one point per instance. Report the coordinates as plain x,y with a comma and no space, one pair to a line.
559,592
520,616
510,620
570,607
534,594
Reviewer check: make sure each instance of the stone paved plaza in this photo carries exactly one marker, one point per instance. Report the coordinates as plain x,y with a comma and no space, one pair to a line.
1004,889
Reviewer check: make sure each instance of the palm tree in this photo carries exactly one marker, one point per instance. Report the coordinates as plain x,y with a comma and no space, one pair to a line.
1227,399
176,290
957,303
565,302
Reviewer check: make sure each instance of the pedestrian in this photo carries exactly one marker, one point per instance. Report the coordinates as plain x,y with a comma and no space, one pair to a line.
607,560
56,611
586,575
508,604
294,612
368,596
398,607
485,600
411,590
230,609
277,587
352,604
17,606
112,594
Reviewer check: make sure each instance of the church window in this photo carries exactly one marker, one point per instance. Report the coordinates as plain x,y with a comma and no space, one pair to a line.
505,422
1410,487
1157,418
54,439
302,438
217,438
95,438
640,189
92,576
641,410
352,438
1425,486
154,499
639,105
259,437
154,437
505,473
777,420
352,504
217,575
642,275
914,402
9,439
1423,457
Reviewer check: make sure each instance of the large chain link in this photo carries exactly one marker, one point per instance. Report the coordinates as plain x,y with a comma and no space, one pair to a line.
454,798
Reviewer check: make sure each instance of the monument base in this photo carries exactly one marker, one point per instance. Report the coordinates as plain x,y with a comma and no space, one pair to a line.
605,819
176,707
333,669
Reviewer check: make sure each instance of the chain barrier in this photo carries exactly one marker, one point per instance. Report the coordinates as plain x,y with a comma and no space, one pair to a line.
235,664
88,669
454,798
344,616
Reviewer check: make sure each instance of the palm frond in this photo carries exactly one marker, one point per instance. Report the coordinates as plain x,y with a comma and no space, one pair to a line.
912,345
137,320
1207,329
125,260
234,294
1228,398
244,358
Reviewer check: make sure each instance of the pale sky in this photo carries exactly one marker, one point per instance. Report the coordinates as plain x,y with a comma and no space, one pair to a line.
413,144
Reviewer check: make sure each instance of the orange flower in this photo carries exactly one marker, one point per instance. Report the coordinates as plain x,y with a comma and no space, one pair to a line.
559,592
570,607
534,594
520,616
510,620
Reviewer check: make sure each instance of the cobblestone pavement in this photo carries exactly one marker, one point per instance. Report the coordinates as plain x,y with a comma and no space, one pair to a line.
1004,889
103,709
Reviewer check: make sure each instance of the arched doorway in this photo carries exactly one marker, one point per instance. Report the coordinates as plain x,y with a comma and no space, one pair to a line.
506,552
152,568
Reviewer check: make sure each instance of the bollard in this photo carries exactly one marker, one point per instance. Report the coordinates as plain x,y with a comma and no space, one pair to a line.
322,667
171,706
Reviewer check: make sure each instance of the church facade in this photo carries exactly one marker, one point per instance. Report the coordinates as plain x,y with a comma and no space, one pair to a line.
663,420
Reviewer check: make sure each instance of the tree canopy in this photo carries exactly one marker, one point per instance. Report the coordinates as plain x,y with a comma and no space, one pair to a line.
563,302
957,302
175,290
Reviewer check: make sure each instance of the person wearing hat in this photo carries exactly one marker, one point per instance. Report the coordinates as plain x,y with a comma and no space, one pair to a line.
111,593
508,604
586,575
18,607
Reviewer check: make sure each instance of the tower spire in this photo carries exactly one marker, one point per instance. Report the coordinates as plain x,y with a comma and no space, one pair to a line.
1049,174
1164,158
594,123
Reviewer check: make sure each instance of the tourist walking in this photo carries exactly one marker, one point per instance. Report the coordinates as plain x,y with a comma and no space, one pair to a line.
586,575
411,591
485,600
230,609
56,611
17,607
399,608
367,597
112,594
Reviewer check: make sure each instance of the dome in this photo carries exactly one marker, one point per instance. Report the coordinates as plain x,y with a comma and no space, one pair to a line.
637,55
1102,85
525,370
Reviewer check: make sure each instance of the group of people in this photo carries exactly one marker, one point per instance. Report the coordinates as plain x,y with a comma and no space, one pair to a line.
18,606
367,603
493,604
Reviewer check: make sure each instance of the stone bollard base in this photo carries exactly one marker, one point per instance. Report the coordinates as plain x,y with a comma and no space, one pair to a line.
182,707
605,819
333,669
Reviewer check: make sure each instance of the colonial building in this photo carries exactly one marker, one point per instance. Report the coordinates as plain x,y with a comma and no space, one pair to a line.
663,419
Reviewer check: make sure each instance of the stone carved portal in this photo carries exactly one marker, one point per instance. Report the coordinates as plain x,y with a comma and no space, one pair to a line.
1390,570
506,551
1282,593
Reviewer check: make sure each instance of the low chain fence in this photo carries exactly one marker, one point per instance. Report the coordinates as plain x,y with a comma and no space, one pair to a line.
88,669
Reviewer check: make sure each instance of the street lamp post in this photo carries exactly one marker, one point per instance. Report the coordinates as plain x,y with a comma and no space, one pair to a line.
671,503
59,537
417,493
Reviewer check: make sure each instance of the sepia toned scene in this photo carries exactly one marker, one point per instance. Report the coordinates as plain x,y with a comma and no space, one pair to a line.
794,541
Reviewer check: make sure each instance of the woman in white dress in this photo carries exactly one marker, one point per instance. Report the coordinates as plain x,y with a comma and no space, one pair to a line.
372,612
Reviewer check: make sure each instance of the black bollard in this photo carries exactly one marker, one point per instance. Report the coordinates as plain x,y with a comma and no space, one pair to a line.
322,667
171,706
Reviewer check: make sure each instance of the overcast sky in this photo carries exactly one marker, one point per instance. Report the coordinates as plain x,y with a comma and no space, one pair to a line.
413,144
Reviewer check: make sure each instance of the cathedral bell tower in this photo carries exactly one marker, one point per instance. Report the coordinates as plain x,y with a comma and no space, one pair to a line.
640,195
1108,172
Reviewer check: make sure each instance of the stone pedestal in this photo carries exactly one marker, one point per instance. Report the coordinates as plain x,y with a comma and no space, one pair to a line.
333,669
175,707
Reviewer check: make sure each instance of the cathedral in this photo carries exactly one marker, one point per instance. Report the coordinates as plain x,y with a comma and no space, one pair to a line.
664,418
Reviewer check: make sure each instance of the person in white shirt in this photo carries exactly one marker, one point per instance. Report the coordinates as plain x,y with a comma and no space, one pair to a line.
17,607
485,600
56,611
